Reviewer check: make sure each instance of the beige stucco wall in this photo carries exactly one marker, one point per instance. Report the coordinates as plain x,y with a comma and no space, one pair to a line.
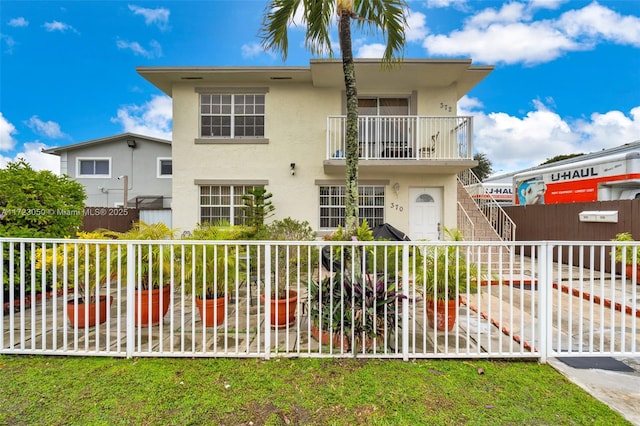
296,121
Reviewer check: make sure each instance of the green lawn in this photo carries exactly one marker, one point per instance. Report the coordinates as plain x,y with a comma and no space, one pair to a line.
154,391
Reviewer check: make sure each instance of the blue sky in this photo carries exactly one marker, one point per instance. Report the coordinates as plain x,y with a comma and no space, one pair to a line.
566,78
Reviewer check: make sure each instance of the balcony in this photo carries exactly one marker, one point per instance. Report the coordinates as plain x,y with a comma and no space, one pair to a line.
409,143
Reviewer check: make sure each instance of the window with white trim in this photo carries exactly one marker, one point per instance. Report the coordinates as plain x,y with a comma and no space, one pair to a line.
332,200
165,167
232,115
223,202
93,167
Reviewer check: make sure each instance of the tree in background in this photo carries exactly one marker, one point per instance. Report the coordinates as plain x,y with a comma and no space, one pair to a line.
560,158
385,15
258,207
483,170
38,203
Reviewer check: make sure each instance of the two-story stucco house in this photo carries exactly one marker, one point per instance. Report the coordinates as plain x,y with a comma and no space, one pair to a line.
128,167
283,128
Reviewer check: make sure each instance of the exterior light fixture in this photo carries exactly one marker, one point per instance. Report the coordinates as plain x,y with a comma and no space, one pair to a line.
293,169
131,143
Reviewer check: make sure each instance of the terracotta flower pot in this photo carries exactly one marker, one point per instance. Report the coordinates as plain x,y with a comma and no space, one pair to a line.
97,312
445,314
325,337
212,310
629,271
148,310
283,310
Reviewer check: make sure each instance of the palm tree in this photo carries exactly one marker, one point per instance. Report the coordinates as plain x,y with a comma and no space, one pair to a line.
385,15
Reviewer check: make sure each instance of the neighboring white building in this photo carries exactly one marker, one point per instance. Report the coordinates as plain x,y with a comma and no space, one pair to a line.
104,165
283,128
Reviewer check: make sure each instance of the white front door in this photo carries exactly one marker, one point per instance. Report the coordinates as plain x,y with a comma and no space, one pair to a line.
425,213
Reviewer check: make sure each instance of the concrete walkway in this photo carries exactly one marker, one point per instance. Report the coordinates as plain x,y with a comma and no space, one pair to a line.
620,390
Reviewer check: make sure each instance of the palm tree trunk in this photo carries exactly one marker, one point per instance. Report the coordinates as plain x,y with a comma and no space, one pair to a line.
351,148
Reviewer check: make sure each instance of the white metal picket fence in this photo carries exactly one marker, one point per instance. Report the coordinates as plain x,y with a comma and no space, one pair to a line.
354,299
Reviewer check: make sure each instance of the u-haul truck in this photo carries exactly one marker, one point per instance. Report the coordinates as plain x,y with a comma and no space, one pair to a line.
614,177
501,193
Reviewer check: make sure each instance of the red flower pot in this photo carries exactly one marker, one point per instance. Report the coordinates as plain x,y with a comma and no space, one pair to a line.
325,337
445,314
212,310
152,305
95,314
283,310
629,271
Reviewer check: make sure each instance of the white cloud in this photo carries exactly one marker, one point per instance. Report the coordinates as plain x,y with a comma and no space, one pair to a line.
151,119
610,129
596,21
507,43
456,4
32,153
9,42
154,51
37,159
18,22
49,129
58,26
546,4
514,143
508,13
251,50
417,29
510,34
159,17
7,129
374,50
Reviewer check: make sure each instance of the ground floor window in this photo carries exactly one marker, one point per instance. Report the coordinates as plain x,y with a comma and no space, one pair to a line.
332,199
223,202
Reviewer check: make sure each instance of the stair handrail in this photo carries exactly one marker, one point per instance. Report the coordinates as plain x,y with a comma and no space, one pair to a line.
465,223
500,221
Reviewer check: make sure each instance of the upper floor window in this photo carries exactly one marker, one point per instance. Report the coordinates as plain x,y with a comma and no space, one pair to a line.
94,167
232,115
165,167
383,106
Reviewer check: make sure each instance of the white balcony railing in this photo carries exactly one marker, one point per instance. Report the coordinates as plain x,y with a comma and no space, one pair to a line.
404,137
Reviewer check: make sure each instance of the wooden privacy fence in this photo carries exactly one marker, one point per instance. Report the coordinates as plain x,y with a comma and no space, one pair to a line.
561,222
117,219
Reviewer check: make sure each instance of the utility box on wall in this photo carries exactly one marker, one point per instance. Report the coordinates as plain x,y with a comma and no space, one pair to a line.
607,216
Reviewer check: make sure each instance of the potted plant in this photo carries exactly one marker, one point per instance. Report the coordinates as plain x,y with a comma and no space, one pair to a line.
81,267
208,271
444,273
628,250
289,265
354,311
153,271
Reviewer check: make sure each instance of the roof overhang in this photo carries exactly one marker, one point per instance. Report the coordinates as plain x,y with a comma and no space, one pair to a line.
408,75
371,75
111,139
165,77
